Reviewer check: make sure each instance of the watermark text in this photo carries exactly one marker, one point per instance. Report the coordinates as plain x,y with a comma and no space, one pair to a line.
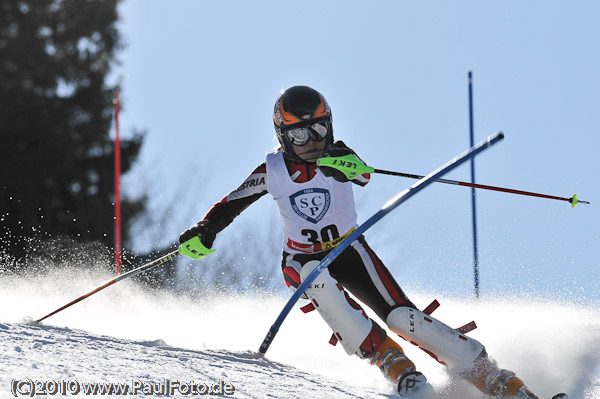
165,387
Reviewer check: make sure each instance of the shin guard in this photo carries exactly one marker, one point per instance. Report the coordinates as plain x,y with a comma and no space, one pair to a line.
346,318
443,343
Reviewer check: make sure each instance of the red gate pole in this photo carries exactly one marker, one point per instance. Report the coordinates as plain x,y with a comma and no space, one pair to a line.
117,187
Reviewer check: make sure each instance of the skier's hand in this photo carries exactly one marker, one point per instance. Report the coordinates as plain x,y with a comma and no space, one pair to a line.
197,240
338,149
202,230
341,163
332,172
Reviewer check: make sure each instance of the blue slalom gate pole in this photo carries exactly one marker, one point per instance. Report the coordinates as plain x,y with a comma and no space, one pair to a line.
473,208
386,209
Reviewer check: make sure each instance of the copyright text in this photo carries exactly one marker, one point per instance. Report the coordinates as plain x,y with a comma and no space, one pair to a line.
166,387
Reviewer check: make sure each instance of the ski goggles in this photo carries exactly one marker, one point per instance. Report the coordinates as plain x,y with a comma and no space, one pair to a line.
301,135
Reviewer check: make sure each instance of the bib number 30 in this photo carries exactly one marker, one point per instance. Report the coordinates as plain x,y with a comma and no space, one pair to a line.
328,233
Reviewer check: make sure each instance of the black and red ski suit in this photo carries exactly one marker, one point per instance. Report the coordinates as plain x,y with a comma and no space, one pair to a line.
357,269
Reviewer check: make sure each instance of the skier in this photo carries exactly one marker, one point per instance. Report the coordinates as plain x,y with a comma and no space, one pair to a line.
318,211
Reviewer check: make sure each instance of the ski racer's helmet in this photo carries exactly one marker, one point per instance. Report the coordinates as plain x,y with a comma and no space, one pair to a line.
301,114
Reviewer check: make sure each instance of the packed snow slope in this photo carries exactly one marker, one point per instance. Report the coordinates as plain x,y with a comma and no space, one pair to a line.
126,335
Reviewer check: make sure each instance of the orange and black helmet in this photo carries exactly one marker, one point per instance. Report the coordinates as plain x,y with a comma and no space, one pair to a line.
302,114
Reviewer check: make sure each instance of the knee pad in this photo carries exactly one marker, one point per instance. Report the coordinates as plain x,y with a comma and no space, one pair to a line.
445,344
349,322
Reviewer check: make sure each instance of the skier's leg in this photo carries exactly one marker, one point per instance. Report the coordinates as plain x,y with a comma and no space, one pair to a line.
443,343
357,333
497,382
349,322
359,270
364,274
463,355
382,351
352,327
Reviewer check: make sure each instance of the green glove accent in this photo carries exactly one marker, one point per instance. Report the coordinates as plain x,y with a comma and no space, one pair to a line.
195,249
350,165
574,200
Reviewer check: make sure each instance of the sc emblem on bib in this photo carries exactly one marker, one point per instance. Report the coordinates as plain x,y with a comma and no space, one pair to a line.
311,204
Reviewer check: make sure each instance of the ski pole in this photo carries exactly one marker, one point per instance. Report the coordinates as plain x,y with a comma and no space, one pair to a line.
352,166
386,209
573,200
131,273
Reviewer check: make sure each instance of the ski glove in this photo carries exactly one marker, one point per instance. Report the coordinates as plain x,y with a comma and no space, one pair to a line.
197,240
338,149
341,163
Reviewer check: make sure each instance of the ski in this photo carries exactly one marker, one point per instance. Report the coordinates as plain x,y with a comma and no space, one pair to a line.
386,209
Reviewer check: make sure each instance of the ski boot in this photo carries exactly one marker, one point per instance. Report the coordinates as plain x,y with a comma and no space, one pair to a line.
413,381
398,368
499,383
506,384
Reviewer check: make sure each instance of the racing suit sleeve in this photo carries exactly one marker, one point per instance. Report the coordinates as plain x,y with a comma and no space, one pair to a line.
222,213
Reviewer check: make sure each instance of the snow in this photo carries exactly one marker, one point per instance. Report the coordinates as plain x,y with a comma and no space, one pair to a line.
128,335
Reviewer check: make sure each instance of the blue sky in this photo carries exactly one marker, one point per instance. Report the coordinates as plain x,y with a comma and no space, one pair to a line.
202,77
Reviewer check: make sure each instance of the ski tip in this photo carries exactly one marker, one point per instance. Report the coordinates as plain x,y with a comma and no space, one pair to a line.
500,135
